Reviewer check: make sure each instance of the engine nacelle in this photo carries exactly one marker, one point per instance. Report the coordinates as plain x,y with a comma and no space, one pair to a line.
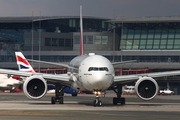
146,88
35,87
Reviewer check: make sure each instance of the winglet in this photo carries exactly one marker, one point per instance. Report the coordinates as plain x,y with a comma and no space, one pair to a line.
22,63
81,33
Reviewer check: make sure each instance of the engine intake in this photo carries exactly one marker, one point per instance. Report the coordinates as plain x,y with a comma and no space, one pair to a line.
146,88
35,87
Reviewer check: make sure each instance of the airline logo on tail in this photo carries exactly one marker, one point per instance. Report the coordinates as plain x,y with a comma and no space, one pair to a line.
22,63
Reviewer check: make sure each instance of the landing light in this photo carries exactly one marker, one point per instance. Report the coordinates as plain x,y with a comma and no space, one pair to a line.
97,92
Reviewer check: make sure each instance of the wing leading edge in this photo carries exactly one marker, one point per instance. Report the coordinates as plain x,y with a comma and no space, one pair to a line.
52,63
61,78
123,62
129,78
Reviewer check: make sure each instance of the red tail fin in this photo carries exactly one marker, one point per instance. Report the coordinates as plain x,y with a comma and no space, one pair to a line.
81,33
22,63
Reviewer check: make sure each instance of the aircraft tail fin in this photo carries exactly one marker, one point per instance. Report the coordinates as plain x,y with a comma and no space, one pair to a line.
81,33
22,63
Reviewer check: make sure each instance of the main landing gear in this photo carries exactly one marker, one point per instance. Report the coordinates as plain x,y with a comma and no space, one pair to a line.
97,102
118,99
59,93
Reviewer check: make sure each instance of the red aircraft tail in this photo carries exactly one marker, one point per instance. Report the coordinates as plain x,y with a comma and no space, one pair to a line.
81,33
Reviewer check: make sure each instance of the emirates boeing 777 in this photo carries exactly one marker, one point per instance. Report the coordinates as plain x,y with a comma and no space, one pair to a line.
91,73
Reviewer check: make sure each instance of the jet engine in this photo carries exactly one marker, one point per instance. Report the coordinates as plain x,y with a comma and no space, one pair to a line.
35,87
146,88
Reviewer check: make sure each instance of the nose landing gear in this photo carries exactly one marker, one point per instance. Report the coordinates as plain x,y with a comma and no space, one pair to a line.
97,102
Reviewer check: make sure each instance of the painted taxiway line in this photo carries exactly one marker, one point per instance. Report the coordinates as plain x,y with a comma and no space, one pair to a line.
44,105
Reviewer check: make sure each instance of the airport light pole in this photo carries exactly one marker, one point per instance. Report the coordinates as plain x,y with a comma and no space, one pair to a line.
121,45
114,37
32,42
40,30
40,41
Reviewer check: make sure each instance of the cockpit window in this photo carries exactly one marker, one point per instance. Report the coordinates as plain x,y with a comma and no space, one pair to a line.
95,69
90,69
101,69
98,69
106,69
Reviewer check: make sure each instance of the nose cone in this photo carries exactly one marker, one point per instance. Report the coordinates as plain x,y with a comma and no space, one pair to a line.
99,81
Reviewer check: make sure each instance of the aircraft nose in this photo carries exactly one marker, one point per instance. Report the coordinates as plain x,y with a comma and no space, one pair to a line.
101,81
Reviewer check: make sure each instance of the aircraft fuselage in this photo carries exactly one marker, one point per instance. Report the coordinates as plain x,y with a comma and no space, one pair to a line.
95,72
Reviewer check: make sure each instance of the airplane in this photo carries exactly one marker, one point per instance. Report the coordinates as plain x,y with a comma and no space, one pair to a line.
9,83
89,72
128,90
24,65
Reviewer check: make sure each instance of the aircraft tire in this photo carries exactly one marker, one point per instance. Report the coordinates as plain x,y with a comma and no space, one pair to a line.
122,101
118,100
74,94
94,103
99,103
115,101
53,100
61,100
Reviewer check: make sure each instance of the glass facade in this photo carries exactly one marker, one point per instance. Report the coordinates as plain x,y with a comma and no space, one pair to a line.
146,58
150,36
16,35
12,30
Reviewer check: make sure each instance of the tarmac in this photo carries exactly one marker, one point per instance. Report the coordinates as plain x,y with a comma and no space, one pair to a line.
16,106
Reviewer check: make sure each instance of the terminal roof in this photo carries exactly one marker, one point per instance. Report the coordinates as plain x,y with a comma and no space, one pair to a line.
146,20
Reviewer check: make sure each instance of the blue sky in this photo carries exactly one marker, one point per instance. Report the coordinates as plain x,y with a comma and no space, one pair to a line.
96,8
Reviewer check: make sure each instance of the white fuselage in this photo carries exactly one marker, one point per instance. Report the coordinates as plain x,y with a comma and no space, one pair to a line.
94,73
8,83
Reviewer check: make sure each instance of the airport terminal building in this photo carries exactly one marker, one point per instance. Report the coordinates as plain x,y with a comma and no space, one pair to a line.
153,41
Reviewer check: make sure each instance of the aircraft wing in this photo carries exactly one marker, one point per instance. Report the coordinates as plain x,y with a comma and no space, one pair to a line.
123,62
129,78
63,79
52,63
67,66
